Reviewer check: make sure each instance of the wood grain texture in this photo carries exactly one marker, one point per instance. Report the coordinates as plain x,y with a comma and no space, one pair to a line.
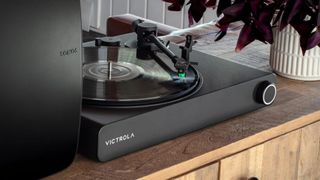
297,105
243,165
210,172
309,159
281,156
236,145
291,156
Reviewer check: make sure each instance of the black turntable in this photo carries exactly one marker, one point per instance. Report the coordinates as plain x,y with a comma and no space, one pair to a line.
138,93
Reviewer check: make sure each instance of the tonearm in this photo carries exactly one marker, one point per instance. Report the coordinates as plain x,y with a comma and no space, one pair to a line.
148,45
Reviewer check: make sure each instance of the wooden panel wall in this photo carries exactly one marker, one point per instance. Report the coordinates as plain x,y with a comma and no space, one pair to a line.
151,9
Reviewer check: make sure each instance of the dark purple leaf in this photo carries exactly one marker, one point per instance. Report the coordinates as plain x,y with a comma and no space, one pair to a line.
223,4
311,5
314,40
231,14
220,35
318,19
175,7
254,5
266,14
181,2
302,27
292,8
197,9
303,44
246,37
295,9
303,15
235,10
211,3
263,23
266,34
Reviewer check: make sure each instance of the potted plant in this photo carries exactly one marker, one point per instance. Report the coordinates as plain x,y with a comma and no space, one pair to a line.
291,26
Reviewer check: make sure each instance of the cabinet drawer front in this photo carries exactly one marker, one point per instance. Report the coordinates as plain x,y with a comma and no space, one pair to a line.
292,156
210,172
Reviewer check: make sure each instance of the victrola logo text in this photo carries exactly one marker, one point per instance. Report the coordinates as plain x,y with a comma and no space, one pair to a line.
68,52
119,139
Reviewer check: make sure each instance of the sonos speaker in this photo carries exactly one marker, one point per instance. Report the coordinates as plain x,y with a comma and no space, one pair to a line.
40,86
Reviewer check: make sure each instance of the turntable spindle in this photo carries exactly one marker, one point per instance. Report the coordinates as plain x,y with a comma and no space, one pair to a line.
109,70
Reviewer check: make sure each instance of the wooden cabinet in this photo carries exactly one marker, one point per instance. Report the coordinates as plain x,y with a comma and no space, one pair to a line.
210,172
276,159
309,159
295,155
243,165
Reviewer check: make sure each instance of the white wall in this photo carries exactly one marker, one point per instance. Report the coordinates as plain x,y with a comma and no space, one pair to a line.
151,9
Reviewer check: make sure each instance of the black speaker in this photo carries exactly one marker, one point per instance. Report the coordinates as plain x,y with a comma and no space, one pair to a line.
40,86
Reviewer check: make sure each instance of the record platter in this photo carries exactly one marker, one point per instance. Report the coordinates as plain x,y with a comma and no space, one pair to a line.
137,92
114,77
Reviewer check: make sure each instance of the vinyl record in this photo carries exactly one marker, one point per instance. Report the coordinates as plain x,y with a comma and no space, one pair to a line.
114,77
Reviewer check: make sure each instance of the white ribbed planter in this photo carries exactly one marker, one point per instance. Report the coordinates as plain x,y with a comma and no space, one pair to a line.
286,57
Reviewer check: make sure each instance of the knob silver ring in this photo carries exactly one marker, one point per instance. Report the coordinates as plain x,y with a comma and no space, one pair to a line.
264,94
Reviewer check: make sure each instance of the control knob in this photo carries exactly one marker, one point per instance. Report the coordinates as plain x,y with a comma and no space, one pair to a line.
266,93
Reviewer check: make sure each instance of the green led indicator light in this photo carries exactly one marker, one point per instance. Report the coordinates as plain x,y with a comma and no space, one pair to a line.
182,75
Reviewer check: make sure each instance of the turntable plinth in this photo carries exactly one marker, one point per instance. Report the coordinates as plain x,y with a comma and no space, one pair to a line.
292,123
